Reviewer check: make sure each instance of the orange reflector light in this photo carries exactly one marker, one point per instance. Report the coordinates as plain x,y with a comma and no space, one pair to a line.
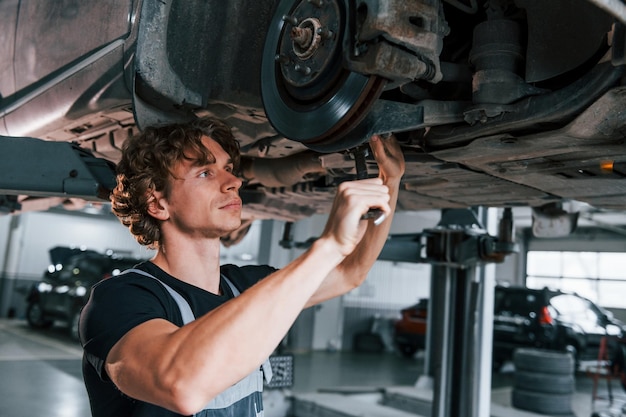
607,166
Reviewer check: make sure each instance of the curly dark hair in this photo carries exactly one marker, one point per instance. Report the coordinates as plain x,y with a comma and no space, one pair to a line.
147,163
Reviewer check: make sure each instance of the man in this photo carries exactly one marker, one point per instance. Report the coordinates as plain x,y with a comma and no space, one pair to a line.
177,192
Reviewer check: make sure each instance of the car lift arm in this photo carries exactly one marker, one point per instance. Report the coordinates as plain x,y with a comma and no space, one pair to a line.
38,168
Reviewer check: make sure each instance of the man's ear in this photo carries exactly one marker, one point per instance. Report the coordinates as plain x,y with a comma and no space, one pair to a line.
157,206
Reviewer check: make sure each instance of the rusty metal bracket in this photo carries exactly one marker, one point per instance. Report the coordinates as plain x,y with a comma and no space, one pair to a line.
398,40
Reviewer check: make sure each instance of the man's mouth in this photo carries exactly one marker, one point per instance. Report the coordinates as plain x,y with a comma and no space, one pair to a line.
236,203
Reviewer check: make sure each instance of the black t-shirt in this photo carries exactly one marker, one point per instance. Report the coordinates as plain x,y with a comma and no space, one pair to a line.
118,304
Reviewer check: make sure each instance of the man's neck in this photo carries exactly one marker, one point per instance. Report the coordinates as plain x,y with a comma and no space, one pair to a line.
196,263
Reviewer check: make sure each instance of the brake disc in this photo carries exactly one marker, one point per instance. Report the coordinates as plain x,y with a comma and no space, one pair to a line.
307,94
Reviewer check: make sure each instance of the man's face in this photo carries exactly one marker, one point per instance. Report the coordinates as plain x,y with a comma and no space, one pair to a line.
204,198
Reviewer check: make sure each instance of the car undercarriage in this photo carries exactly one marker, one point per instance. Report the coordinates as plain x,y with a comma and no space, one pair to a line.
496,103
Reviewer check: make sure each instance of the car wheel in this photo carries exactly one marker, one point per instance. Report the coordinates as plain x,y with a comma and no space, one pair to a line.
544,361
35,316
407,351
314,101
543,382
619,364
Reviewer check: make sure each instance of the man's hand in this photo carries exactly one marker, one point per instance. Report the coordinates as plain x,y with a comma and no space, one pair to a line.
389,158
355,198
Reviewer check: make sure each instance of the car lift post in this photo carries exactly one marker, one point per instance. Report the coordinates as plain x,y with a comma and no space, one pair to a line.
460,313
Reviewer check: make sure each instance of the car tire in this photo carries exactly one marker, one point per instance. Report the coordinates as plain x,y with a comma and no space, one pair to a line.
35,316
543,382
619,363
368,342
407,351
543,361
543,403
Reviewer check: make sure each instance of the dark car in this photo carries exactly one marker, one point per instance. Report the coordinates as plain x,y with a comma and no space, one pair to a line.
551,319
499,103
525,317
65,287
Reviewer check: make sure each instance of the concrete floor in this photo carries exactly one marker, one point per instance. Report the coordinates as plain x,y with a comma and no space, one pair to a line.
40,375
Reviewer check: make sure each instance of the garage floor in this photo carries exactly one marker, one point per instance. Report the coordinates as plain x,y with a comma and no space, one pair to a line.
40,374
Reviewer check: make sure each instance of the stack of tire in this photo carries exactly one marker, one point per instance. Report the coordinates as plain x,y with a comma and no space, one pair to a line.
544,382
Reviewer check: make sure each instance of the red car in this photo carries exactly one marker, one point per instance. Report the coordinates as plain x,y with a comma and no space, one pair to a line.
410,330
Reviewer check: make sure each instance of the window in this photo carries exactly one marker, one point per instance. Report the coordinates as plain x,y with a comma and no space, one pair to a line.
599,276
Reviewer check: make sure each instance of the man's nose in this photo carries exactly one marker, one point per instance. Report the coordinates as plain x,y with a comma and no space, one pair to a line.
232,181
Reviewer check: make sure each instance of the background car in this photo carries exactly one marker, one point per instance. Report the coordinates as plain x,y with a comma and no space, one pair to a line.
552,319
65,287
525,317
409,331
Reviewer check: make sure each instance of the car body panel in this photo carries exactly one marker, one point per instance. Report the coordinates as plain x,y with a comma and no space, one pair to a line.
50,35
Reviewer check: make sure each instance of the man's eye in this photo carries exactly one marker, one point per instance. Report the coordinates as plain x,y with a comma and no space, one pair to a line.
205,174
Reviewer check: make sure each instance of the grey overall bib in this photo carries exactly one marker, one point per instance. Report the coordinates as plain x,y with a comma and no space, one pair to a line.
243,399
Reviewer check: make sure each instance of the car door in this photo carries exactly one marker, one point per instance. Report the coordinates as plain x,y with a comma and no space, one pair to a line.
581,317
515,312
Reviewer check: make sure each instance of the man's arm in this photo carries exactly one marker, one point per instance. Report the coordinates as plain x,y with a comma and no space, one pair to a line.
353,270
182,369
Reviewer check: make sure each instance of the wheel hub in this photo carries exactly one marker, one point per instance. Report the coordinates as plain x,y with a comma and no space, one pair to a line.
307,94
308,46
306,38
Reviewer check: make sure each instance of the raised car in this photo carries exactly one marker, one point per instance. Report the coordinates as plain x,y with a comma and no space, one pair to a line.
497,103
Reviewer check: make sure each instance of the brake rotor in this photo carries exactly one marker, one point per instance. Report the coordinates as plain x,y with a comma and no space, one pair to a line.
307,95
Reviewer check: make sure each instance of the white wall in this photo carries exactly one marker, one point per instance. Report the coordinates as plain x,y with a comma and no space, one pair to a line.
392,285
